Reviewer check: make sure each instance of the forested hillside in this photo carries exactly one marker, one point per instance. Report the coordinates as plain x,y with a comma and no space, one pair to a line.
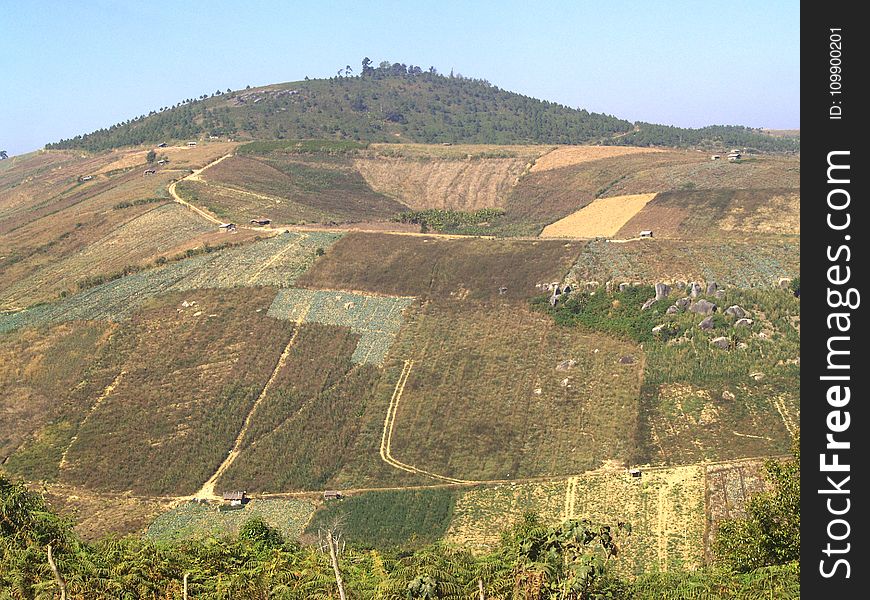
398,102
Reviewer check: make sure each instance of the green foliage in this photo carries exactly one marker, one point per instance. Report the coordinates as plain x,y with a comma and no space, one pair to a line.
151,156
260,533
390,519
770,534
451,221
139,202
329,147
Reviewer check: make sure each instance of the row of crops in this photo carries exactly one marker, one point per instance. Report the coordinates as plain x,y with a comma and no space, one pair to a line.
276,261
376,318
742,265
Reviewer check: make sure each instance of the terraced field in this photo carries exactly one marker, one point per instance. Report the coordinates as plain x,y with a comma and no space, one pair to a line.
430,267
601,218
567,156
693,214
753,263
276,261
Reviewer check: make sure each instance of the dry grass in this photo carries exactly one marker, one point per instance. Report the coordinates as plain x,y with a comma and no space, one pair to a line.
446,184
602,218
459,151
180,157
690,214
566,156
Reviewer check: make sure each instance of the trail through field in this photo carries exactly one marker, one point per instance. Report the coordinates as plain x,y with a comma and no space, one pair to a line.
790,425
389,424
195,176
571,498
207,489
106,392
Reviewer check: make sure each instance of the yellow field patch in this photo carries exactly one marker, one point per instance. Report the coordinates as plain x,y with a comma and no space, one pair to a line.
575,155
602,218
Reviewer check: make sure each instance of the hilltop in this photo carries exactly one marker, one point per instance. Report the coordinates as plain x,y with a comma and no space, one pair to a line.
401,103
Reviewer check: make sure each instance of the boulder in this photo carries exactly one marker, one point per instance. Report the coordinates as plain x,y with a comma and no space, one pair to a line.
683,303
672,310
566,365
721,342
662,291
694,289
658,328
648,303
743,323
735,311
784,283
706,323
702,307
680,285
624,286
711,288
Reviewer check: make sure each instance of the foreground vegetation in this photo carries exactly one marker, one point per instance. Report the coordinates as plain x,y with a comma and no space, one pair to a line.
570,561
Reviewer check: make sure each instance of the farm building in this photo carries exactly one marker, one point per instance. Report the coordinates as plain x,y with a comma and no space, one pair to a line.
236,498
150,171
715,157
734,156
636,473
86,178
260,221
332,495
646,233
161,145
191,144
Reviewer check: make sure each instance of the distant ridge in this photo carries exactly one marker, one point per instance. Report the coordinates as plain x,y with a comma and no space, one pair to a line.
401,103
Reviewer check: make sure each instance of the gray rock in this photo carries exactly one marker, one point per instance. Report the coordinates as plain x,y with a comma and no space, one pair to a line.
706,323
662,291
720,294
694,289
680,285
672,310
624,286
565,365
743,323
658,328
683,303
703,307
711,288
735,311
721,342
648,303
627,360
784,283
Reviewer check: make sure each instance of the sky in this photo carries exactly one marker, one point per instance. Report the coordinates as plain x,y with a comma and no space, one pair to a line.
72,67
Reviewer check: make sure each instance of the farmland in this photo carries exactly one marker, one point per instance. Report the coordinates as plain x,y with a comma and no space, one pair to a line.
753,263
376,319
192,520
276,261
184,377
499,392
390,519
690,214
601,218
431,267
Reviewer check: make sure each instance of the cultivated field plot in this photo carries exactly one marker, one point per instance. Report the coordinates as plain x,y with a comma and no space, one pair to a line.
527,153
276,262
38,371
239,205
544,196
155,233
307,426
185,376
446,184
329,187
501,392
601,218
690,215
665,508
377,319
756,262
192,520
701,173
429,267
390,519
566,156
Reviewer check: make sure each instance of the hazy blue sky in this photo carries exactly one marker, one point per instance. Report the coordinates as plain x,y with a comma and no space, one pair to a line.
72,66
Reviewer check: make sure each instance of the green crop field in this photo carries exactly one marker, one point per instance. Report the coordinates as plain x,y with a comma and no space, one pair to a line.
192,520
430,267
391,518
377,319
